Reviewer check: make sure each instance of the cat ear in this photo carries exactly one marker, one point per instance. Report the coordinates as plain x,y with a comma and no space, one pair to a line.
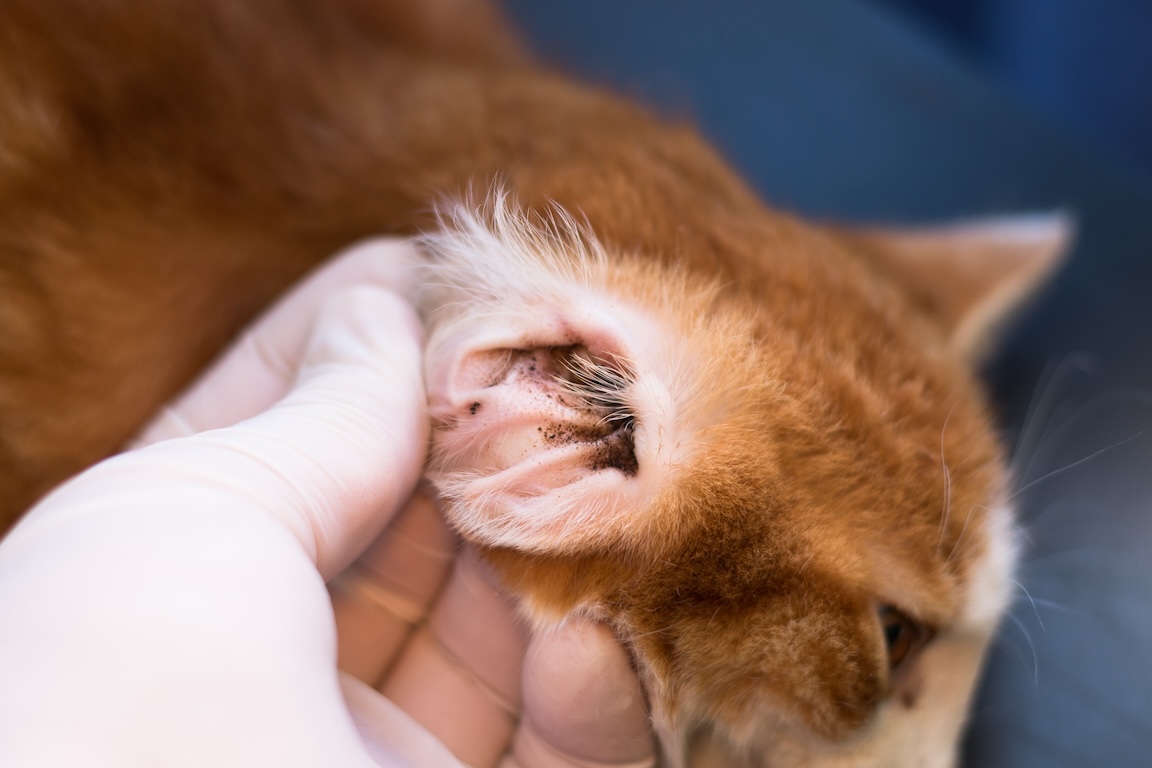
972,276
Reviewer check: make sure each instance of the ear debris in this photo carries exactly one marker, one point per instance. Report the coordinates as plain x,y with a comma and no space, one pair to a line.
602,385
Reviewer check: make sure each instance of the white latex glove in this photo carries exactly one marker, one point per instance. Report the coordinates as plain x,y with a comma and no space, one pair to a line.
168,606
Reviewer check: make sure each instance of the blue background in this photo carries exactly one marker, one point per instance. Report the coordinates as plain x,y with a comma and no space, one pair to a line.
1084,64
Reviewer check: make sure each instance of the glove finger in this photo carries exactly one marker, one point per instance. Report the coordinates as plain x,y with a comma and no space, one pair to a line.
337,457
260,367
460,675
583,704
388,591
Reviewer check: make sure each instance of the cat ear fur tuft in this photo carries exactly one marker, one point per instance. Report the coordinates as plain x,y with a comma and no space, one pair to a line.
972,276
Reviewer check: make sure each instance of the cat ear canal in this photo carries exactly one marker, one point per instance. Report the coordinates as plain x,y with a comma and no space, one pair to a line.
972,276
543,437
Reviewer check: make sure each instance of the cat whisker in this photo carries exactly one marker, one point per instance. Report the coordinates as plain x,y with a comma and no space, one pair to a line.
1016,622
1046,391
1031,602
957,547
1058,555
653,632
1046,425
1073,465
1055,606
1085,412
947,510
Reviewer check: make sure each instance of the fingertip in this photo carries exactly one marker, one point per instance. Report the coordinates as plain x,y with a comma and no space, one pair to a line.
389,590
583,702
451,701
348,442
391,262
376,314
476,623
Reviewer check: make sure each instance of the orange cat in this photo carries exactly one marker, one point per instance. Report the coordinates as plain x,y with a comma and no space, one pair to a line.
753,445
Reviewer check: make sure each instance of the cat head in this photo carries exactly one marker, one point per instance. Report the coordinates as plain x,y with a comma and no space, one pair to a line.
783,491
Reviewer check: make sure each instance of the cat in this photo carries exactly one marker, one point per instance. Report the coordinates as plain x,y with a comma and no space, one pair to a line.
754,445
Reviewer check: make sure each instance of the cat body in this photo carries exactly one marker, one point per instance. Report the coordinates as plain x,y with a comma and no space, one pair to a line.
753,445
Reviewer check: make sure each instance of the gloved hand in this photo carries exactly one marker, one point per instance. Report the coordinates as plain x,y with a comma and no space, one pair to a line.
169,606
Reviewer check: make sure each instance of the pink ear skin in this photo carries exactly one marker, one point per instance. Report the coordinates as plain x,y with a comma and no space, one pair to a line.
971,277
513,391
518,415
543,425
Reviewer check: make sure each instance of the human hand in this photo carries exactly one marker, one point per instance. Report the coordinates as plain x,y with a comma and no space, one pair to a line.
168,606
466,668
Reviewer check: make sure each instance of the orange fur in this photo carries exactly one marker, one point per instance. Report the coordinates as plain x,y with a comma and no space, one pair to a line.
166,174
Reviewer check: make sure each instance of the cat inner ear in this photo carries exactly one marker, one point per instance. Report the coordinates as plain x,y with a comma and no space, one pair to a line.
554,425
971,277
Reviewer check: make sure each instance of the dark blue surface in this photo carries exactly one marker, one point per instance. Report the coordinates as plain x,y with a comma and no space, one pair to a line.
1086,64
836,109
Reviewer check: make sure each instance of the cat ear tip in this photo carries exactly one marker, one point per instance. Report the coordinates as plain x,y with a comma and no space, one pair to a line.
1056,227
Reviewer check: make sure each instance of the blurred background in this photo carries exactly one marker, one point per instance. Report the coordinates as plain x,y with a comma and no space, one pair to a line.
1086,65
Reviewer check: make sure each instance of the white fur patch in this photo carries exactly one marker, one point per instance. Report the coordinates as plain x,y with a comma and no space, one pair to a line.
493,255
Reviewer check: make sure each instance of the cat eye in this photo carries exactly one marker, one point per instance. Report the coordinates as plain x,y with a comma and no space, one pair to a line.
902,635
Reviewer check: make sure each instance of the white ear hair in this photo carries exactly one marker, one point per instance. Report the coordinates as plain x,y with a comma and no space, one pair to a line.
486,250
